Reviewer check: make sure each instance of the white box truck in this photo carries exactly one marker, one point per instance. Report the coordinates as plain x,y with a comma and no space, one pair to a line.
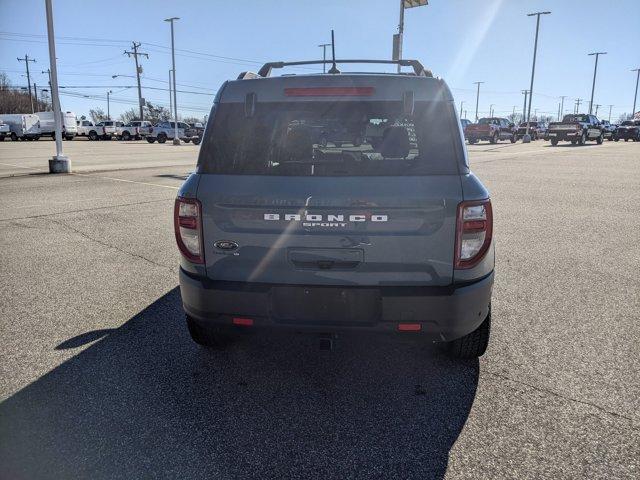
23,126
48,124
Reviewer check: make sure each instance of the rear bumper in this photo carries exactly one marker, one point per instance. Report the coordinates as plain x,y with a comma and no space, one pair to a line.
626,134
564,135
445,313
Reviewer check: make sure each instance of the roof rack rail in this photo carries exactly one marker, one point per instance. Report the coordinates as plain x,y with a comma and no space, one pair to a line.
418,69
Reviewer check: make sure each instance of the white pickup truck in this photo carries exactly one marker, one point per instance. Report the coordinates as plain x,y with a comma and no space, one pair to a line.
86,128
136,129
164,131
110,129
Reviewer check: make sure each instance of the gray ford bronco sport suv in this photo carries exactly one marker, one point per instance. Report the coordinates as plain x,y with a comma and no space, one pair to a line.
338,201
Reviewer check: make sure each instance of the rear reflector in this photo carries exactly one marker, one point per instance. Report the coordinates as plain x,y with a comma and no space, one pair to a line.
246,322
409,327
329,92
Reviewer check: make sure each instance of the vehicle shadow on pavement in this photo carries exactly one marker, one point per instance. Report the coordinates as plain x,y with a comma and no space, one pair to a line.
144,401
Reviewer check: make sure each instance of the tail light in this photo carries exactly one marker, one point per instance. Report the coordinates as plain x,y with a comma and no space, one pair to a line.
474,228
187,217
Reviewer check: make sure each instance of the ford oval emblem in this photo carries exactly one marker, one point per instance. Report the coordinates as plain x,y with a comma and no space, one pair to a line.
225,245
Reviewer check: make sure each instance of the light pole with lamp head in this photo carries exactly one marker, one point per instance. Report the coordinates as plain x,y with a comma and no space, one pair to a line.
527,138
176,140
593,85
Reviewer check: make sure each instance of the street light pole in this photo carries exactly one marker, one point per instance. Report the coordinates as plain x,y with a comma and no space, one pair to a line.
593,85
491,110
610,107
524,108
176,140
477,98
170,90
635,96
324,55
109,92
405,4
527,138
59,163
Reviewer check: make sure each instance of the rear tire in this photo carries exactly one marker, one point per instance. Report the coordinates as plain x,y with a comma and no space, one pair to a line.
599,140
93,135
196,141
494,139
474,344
554,142
14,137
513,139
217,337
472,141
583,139
626,139
126,136
162,138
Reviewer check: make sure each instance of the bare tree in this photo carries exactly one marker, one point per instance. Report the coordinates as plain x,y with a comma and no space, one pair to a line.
16,100
97,115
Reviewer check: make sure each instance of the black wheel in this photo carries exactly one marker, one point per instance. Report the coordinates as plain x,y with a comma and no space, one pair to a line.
187,140
93,135
583,139
474,344
162,138
68,138
626,139
151,140
513,139
554,142
196,141
494,139
215,337
14,137
616,139
472,141
126,136
599,140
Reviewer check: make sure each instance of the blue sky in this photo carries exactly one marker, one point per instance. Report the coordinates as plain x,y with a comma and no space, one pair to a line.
460,40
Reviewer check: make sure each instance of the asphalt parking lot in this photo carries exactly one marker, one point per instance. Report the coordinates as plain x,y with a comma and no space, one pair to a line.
99,378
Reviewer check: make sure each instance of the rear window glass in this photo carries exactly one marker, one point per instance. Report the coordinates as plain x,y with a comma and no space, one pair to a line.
575,118
332,139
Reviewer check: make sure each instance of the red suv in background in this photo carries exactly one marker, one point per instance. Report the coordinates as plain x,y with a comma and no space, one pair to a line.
491,129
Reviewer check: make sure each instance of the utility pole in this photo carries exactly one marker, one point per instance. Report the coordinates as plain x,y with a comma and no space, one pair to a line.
26,61
593,85
527,138
491,110
59,163
35,94
324,55
176,140
635,96
109,92
596,112
136,54
524,108
461,103
477,98
561,108
577,108
48,72
397,39
535,114
558,111
610,107
513,114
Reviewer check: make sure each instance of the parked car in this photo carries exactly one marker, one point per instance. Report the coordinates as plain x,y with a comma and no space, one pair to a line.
86,128
48,124
464,122
22,126
278,232
608,130
628,130
537,130
164,131
109,129
5,131
577,129
490,129
133,130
